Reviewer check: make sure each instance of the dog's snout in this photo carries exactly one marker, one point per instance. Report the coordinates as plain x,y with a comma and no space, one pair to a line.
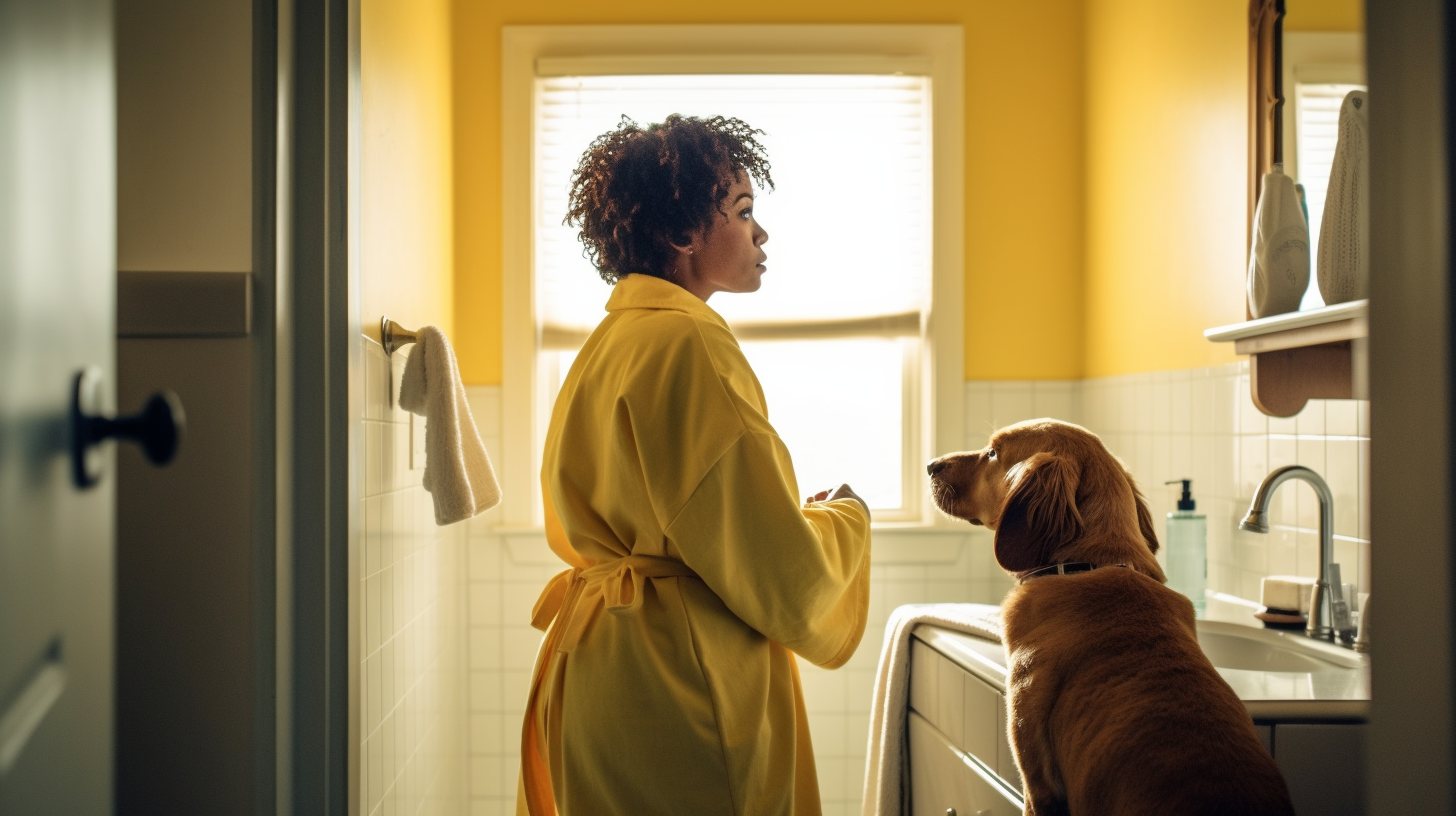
936,466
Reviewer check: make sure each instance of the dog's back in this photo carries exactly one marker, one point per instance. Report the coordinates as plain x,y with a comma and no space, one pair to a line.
1135,719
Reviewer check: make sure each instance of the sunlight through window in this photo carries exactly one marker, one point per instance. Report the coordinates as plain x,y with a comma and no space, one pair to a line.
835,334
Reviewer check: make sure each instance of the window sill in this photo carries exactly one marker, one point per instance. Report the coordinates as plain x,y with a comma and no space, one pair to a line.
893,543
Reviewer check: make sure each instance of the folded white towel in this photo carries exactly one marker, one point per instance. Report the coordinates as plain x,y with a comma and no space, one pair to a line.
458,474
887,789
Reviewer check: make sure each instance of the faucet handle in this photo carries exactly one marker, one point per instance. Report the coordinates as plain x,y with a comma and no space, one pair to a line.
1362,643
1344,628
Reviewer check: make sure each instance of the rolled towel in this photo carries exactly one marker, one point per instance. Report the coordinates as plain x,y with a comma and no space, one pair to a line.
458,474
1344,241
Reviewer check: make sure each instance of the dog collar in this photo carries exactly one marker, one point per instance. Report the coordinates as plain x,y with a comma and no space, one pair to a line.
1064,569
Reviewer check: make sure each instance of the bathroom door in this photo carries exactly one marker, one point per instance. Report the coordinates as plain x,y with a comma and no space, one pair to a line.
57,292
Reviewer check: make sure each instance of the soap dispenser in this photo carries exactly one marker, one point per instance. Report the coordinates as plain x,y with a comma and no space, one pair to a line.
1187,548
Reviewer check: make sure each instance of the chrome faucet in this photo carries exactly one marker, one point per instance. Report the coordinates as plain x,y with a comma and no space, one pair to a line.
1329,611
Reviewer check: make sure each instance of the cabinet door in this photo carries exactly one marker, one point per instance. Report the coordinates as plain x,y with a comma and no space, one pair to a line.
944,781
1324,766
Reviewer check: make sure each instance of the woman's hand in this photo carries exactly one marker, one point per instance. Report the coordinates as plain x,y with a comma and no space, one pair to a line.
844,492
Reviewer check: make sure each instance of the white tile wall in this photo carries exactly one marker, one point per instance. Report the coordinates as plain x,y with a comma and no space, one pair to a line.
1166,425
502,643
1202,424
411,676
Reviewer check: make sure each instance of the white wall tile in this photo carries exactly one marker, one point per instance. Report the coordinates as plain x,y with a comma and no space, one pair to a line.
1342,472
976,410
1342,417
1011,403
1227,408
1057,399
413,687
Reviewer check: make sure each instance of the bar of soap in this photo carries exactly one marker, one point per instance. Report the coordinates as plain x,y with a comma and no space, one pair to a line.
1287,592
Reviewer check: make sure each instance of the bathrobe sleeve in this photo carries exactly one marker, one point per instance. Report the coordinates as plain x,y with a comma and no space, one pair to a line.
798,575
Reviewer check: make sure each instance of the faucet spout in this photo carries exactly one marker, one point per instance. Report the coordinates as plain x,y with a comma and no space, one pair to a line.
1322,623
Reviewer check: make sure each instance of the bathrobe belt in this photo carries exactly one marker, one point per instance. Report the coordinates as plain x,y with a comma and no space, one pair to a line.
572,598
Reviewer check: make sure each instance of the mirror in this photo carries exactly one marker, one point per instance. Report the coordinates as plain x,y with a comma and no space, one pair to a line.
1303,60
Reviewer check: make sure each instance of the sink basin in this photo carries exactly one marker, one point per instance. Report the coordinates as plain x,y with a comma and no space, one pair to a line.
1268,664
1230,646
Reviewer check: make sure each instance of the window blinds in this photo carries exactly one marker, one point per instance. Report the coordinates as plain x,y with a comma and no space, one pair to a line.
849,220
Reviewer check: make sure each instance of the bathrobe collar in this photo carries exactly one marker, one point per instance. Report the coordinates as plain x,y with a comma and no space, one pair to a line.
640,291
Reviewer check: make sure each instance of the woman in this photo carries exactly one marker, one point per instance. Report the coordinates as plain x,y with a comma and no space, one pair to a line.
667,682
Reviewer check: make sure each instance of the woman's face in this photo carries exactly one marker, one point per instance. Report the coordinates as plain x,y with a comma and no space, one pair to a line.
728,256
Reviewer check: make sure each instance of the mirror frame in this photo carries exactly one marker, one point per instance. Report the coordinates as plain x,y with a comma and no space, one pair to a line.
1266,98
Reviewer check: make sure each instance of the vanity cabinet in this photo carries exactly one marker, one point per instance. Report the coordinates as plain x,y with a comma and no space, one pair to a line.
944,780
960,759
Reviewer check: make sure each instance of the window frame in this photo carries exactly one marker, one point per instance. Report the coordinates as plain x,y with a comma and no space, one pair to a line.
529,52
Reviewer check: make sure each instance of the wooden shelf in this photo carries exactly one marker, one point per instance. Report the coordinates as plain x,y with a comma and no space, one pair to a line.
1300,356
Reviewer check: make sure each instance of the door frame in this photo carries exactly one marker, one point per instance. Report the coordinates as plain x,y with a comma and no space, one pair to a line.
1411,754
316,360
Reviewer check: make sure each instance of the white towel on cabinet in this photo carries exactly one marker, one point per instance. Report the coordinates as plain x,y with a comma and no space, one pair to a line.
458,474
887,789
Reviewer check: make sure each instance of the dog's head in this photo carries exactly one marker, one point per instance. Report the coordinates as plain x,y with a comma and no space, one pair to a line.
1052,492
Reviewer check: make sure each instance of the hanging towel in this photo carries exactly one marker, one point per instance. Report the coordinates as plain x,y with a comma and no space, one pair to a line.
458,474
1279,258
1344,241
887,774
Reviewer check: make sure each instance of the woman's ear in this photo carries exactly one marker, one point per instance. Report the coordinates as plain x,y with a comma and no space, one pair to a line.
682,254
1040,513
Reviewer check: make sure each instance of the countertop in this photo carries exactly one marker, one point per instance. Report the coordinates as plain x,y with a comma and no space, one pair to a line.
1340,694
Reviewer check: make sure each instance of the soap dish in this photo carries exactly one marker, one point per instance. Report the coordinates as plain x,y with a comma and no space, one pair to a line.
1281,618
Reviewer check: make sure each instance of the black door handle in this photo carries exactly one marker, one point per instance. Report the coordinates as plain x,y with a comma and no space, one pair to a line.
157,428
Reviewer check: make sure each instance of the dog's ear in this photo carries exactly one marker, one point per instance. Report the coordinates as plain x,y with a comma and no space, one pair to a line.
1145,516
1040,513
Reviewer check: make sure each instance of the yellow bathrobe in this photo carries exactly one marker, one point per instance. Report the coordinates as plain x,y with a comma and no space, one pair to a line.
667,683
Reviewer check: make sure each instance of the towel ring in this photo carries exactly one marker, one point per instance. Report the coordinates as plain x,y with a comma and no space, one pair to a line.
393,336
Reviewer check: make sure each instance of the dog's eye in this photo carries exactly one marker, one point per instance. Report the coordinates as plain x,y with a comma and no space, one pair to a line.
991,454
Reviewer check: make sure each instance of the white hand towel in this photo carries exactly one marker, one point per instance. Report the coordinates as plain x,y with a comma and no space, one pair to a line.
458,474
887,789
1344,241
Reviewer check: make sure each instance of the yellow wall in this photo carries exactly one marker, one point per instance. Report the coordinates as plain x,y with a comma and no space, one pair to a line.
1324,15
1023,233
406,208
1166,101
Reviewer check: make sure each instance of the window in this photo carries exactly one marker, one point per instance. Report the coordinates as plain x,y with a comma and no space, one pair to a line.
835,332
869,299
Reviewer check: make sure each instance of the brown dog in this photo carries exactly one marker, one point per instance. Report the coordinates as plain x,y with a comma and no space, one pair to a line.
1113,708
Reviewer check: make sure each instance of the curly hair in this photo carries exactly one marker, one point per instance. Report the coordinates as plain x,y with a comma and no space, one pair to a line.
637,191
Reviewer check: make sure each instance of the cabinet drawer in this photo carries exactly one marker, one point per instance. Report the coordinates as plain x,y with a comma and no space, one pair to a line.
1005,759
1323,765
944,780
